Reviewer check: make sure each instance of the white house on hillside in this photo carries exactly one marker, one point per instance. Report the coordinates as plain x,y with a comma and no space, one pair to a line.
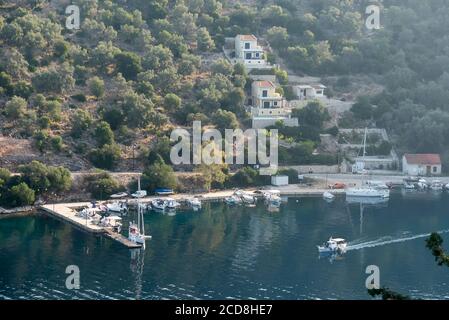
305,92
268,106
248,52
421,164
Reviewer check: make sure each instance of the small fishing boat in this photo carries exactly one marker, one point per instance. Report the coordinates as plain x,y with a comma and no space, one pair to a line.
333,245
273,200
436,185
409,186
159,204
117,206
112,222
422,185
139,194
233,200
163,191
194,203
171,204
328,196
245,197
119,195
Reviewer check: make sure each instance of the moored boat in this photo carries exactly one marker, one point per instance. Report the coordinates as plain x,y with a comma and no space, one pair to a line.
159,204
171,204
367,192
194,203
117,206
233,200
328,196
436,185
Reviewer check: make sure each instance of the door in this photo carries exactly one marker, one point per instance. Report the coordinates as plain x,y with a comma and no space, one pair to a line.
428,170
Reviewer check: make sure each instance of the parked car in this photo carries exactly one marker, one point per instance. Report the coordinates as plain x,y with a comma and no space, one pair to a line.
337,185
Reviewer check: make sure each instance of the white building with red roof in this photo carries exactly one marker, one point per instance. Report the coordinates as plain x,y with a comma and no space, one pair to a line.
269,106
249,52
424,164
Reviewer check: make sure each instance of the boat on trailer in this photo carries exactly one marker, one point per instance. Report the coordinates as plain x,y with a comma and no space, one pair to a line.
164,192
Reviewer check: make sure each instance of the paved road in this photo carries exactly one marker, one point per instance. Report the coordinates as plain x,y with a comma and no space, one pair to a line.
359,178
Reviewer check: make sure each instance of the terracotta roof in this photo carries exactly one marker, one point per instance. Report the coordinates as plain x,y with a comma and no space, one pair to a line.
264,84
425,158
247,37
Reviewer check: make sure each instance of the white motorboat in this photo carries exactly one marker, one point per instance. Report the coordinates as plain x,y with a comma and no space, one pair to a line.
119,195
232,200
194,203
269,192
112,222
245,197
273,200
328,196
333,245
422,185
139,194
447,186
436,185
409,186
171,204
117,206
367,192
159,204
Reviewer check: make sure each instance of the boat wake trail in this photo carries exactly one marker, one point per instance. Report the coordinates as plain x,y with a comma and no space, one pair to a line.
388,240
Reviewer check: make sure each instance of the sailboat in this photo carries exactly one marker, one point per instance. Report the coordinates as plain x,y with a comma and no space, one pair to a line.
370,191
136,231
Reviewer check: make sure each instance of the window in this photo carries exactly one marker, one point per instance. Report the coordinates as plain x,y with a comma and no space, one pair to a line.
248,55
266,104
247,45
265,93
257,54
275,103
434,169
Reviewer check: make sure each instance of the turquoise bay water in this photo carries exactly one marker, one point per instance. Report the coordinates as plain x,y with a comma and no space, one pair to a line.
244,253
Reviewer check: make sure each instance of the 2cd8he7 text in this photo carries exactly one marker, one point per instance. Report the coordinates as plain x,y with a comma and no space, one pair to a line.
236,309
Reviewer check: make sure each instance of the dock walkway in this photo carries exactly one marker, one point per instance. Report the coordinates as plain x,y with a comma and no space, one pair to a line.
67,211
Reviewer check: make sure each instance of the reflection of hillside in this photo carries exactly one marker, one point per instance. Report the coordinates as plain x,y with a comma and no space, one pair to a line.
259,234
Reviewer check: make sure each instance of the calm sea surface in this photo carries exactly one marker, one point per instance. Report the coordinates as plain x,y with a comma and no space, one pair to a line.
226,252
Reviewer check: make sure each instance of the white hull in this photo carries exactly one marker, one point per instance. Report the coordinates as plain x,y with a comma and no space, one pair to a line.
367,193
328,196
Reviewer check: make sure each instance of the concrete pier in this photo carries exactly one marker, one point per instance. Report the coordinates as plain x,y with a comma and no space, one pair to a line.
67,211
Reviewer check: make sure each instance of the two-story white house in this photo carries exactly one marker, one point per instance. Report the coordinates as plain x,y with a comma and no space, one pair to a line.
269,106
305,91
248,52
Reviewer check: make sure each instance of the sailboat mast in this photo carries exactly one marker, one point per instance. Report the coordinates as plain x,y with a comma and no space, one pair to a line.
364,144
